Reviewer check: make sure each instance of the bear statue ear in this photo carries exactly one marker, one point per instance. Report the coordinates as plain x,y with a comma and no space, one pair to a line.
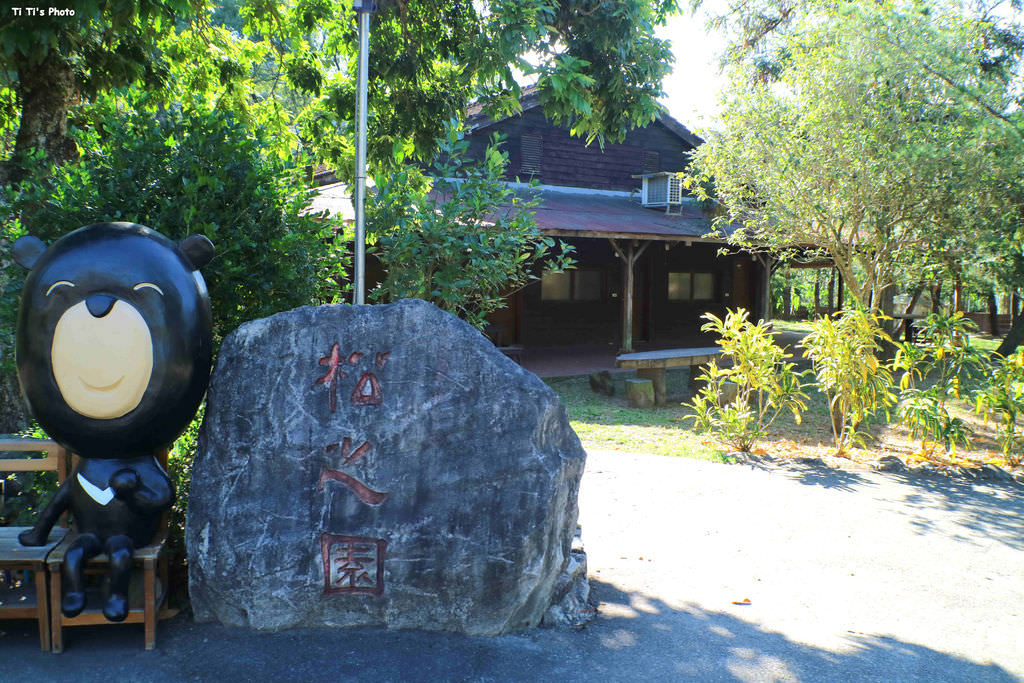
27,250
198,249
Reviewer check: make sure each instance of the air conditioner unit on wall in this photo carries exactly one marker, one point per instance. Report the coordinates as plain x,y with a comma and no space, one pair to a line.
661,189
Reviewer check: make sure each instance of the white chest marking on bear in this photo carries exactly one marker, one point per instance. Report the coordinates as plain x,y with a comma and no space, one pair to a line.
101,496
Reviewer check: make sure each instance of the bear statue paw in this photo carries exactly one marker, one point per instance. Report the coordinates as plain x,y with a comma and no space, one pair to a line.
124,482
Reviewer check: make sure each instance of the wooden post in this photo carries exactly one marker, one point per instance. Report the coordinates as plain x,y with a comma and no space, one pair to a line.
629,259
627,315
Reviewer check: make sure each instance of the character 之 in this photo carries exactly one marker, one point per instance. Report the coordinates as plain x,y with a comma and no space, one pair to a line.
114,344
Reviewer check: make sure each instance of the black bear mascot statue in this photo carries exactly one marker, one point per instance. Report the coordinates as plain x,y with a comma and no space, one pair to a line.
114,344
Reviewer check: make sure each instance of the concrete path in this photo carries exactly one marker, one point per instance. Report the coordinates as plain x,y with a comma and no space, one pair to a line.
850,576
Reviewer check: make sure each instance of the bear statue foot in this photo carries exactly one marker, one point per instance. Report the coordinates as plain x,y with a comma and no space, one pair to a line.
29,537
72,604
116,608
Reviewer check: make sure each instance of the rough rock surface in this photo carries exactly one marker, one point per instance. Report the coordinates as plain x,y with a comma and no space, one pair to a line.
379,465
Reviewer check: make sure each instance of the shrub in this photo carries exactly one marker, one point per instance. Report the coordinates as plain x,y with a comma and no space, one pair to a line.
184,172
1003,395
843,351
944,353
766,384
463,241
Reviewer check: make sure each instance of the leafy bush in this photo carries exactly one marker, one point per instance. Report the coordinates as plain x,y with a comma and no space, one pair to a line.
464,241
943,352
765,384
181,173
856,385
1003,395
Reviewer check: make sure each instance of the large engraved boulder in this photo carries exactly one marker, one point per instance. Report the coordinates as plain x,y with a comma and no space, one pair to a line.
378,465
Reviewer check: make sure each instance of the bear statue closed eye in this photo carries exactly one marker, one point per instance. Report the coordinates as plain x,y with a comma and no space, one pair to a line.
114,344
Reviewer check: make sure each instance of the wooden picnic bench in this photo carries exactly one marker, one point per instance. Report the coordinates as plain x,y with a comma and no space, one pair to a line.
653,364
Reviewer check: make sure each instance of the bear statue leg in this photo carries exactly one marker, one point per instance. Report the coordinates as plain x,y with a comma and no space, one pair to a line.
120,549
83,549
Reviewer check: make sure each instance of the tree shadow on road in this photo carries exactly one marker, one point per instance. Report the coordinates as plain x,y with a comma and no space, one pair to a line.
696,643
635,637
809,471
995,509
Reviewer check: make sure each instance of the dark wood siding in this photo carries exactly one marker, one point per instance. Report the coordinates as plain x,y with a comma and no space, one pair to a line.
661,322
567,161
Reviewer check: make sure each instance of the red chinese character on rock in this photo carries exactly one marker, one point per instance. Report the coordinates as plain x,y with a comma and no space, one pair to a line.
333,375
353,564
367,391
361,490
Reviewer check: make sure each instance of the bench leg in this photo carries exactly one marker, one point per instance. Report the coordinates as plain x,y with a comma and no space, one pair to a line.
43,602
657,377
56,627
149,610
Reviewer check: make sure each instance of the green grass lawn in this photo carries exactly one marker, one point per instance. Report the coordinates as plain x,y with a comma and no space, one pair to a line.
604,422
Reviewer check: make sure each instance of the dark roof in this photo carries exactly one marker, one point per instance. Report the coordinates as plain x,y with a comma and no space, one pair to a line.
475,118
581,214
575,214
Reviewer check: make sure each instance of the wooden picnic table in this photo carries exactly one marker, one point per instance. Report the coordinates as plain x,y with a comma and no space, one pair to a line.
653,364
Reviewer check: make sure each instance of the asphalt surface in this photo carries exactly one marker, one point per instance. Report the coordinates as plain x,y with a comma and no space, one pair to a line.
839,576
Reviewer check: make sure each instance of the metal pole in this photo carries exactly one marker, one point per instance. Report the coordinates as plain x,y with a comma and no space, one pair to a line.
363,10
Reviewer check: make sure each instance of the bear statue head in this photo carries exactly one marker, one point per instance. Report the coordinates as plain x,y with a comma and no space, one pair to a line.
114,338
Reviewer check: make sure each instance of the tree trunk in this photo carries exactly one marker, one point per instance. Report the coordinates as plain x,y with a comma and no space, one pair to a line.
1013,339
832,292
787,298
936,296
905,323
1014,308
13,412
817,292
45,91
958,297
886,304
993,313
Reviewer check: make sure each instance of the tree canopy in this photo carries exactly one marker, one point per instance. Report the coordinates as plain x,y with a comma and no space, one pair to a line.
881,139
289,65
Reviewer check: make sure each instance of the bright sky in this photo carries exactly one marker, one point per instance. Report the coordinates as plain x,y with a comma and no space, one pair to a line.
695,81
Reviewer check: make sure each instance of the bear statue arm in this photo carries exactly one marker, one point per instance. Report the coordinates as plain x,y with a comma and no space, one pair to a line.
38,534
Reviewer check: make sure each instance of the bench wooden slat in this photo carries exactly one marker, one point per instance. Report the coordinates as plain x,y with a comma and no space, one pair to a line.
668,358
49,463
27,445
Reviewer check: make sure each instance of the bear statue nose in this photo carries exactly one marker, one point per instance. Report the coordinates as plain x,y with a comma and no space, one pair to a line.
100,304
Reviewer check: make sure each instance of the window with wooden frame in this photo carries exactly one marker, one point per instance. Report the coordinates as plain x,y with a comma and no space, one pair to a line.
691,286
573,285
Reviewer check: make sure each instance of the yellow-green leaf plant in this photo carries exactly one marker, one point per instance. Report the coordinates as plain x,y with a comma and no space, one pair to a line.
1003,395
762,383
844,355
942,358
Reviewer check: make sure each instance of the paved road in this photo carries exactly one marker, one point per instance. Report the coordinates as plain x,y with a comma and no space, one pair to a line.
850,576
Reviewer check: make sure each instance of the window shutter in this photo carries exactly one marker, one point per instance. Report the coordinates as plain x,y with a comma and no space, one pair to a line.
652,161
531,150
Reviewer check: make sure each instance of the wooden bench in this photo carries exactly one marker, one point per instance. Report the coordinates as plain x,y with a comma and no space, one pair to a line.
653,364
20,599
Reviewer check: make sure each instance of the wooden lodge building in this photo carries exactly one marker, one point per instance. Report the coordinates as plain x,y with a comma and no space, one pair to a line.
617,206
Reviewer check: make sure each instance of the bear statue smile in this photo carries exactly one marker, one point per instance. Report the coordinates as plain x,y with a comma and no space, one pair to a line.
114,344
